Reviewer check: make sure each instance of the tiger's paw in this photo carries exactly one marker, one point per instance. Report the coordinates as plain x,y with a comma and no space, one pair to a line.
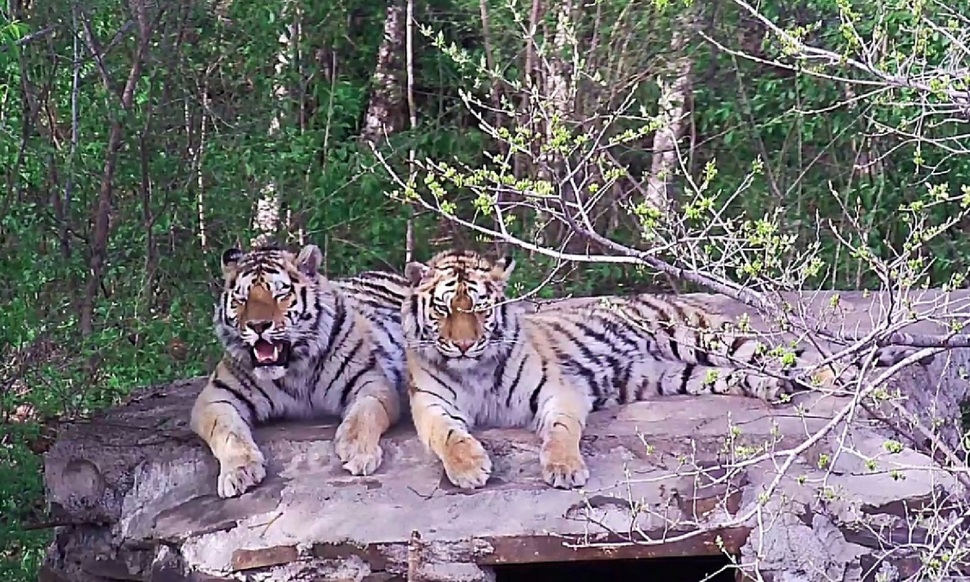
358,451
782,392
241,473
776,391
563,468
466,462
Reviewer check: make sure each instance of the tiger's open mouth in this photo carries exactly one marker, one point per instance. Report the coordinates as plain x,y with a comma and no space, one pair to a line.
270,353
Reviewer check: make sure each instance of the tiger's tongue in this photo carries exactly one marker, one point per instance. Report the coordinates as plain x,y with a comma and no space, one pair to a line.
265,351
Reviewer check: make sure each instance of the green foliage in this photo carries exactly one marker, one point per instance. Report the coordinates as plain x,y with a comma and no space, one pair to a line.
774,150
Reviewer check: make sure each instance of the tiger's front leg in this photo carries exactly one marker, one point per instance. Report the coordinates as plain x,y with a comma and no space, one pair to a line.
365,420
216,418
441,429
560,421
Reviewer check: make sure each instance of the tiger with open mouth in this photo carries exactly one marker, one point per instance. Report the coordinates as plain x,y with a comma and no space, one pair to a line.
298,345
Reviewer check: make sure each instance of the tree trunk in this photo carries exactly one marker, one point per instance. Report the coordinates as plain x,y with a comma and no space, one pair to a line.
557,110
391,104
266,219
102,211
673,109
386,110
558,106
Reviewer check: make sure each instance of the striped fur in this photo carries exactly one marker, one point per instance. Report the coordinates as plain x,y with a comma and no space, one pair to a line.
378,295
297,346
471,363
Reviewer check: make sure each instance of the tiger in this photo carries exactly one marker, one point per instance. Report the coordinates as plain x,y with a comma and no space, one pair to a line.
475,359
297,345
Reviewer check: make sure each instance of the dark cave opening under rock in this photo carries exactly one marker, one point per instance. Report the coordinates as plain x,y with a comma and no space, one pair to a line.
673,569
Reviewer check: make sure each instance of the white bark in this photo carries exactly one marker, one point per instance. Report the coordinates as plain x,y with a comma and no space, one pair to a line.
196,154
673,110
266,219
413,121
384,115
558,106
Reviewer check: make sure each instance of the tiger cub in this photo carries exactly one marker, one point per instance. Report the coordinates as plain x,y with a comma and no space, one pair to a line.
474,359
297,345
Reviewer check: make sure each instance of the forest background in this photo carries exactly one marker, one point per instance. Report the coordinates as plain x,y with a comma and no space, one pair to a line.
139,139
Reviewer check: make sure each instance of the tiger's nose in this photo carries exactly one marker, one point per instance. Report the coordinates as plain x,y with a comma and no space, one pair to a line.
259,326
464,345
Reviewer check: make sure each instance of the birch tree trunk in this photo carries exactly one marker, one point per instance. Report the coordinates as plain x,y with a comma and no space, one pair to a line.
391,104
558,106
558,109
386,110
673,110
266,218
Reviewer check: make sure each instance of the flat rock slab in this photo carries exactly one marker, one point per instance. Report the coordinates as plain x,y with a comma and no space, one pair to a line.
137,490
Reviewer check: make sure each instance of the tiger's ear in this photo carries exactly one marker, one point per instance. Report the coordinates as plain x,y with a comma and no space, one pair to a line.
502,269
414,272
309,260
230,259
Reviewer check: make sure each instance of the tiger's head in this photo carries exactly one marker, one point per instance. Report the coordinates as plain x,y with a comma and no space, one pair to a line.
452,309
268,312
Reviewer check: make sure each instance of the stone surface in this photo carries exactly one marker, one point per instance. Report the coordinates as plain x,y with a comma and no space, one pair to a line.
138,489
